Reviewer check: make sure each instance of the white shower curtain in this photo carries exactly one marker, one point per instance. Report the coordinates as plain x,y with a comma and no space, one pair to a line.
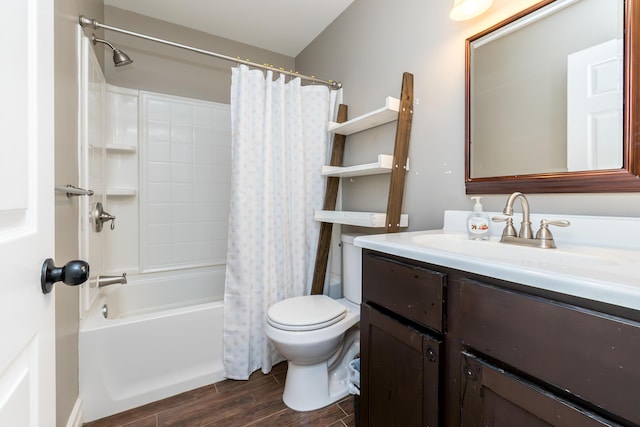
279,143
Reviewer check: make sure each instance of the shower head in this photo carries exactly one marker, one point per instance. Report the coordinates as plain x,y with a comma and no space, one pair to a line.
119,57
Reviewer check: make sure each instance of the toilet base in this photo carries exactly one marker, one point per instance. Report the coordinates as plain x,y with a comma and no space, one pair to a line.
311,387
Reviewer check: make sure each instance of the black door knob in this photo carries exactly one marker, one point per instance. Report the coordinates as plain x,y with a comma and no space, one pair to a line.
72,273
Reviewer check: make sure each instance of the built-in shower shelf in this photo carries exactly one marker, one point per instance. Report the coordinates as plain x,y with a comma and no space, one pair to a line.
382,115
360,219
116,148
121,192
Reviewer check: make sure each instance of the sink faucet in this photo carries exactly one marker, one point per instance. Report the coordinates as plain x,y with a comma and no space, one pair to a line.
525,226
111,280
543,238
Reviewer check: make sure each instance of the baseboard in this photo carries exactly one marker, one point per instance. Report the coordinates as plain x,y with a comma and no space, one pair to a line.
75,418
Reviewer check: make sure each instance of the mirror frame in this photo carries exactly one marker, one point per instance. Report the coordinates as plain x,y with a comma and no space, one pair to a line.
624,179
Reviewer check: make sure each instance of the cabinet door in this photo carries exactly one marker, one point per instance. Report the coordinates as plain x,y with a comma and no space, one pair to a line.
400,373
592,355
494,397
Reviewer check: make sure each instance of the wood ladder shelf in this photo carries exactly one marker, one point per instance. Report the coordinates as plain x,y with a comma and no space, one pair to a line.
400,110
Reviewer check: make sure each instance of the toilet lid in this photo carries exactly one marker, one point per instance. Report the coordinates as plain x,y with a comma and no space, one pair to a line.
305,313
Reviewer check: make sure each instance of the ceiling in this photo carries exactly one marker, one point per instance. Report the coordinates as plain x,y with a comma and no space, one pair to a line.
282,26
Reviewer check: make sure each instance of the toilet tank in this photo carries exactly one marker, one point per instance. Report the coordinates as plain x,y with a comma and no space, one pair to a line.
351,269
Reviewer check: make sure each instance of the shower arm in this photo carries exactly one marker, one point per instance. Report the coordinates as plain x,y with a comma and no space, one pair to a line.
97,40
88,22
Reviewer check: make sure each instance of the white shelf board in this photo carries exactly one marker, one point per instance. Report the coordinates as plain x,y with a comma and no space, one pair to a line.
383,165
361,219
115,148
121,192
383,115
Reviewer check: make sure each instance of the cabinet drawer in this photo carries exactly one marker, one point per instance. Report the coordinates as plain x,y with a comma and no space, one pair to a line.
410,291
591,355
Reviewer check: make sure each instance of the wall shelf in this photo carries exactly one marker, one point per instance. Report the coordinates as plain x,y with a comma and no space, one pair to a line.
383,115
395,109
115,148
360,219
121,192
383,165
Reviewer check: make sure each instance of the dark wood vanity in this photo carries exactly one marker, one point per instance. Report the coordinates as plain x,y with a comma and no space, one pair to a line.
442,347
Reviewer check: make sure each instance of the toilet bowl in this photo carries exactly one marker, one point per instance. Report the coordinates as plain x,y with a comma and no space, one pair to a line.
319,337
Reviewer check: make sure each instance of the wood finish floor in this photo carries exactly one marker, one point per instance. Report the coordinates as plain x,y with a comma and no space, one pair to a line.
256,402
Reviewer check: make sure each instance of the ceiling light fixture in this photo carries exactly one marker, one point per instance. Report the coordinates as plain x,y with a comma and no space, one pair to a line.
467,9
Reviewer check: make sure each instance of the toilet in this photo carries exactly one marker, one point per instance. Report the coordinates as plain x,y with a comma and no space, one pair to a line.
319,336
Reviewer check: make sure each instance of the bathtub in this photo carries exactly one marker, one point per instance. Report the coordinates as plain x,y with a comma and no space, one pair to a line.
162,336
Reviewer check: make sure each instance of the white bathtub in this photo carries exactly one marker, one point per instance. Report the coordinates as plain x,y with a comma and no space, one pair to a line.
163,336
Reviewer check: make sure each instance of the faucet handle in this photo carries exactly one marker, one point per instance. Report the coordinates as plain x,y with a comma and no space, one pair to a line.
556,222
544,233
545,223
509,229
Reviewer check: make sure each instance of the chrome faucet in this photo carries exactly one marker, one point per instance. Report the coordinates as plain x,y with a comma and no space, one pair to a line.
111,280
543,238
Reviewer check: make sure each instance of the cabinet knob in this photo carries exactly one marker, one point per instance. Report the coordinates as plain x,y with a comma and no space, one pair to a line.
431,355
470,373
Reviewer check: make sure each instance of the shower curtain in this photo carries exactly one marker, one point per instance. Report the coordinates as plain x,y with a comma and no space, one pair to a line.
279,143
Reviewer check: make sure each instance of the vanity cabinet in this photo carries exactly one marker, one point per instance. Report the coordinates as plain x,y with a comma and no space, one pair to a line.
401,327
470,350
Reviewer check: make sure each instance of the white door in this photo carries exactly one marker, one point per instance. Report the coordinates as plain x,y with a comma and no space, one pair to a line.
594,107
27,346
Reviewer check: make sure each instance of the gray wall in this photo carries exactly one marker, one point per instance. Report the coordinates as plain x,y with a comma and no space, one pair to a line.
367,48
66,210
166,69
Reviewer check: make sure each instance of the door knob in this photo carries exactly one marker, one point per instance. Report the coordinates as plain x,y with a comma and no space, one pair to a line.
72,273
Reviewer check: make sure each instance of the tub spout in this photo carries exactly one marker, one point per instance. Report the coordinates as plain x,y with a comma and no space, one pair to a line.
111,280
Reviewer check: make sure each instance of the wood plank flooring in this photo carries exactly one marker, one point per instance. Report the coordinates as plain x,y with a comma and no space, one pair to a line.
256,402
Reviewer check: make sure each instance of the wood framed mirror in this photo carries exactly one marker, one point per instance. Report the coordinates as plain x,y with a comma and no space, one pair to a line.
492,94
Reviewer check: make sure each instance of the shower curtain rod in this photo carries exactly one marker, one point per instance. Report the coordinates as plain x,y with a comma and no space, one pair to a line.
88,22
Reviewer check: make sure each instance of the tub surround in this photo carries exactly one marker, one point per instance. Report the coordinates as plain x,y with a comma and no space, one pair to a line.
596,257
159,164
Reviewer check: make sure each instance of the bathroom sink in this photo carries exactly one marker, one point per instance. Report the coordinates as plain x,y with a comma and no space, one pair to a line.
567,256
585,263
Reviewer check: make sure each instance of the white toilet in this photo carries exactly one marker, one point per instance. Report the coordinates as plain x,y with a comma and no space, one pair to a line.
319,336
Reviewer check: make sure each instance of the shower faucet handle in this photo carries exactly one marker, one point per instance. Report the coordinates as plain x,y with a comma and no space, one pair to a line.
100,216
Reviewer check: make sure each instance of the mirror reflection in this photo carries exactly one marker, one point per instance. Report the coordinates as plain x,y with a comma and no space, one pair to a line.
546,92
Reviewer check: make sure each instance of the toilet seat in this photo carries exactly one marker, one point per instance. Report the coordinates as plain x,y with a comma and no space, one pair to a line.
305,313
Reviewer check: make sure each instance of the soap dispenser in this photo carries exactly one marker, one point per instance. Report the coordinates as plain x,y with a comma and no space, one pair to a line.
478,222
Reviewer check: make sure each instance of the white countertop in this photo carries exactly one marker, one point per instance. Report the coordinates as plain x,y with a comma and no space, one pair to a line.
597,258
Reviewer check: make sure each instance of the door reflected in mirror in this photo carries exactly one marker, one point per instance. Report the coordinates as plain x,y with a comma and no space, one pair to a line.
546,94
